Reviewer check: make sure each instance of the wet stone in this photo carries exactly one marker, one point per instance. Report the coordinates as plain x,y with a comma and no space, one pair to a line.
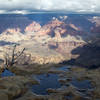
46,81
7,73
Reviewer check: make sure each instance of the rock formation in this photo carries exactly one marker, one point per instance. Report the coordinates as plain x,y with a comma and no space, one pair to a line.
33,27
15,86
12,31
74,27
65,33
49,28
57,32
12,35
65,48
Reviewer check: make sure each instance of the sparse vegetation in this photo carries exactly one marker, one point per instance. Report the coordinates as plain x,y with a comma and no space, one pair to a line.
12,58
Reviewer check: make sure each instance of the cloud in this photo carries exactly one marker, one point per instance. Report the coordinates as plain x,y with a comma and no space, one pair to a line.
27,6
2,11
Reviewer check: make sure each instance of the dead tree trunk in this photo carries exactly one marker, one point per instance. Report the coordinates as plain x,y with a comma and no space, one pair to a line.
11,59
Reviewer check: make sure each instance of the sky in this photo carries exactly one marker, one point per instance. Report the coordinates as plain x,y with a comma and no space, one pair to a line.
30,6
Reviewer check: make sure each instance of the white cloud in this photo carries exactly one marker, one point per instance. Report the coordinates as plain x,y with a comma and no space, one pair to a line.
2,11
25,6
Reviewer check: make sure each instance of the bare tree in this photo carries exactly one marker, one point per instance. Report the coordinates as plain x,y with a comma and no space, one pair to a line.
12,58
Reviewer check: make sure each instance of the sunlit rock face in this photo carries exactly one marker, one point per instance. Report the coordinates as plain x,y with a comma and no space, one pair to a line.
96,27
45,60
12,31
11,21
49,28
12,35
65,32
55,23
44,31
96,20
61,27
33,27
53,28
30,23
74,27
65,48
71,24
58,32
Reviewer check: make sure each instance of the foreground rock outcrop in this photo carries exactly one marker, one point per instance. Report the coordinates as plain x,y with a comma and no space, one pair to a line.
15,86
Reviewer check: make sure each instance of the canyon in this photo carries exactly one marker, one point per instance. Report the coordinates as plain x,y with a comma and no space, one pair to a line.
54,41
50,57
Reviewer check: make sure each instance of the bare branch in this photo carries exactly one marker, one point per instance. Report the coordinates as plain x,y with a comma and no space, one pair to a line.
12,58
20,54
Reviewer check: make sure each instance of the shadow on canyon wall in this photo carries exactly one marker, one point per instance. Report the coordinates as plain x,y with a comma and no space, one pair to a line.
4,43
13,21
22,21
88,54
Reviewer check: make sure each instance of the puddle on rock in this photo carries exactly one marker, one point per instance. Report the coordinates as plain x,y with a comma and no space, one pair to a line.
64,68
7,73
52,81
46,81
85,84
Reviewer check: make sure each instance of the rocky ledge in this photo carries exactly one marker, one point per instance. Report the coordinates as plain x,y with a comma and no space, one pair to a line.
15,86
